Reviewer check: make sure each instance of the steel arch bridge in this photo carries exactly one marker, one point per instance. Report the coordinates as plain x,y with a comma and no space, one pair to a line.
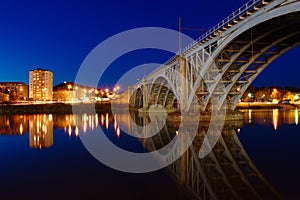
220,65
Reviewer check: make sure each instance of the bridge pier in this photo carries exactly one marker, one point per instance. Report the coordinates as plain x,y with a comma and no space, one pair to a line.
145,95
184,95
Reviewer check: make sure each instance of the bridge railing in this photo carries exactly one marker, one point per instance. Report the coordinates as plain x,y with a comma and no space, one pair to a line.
243,10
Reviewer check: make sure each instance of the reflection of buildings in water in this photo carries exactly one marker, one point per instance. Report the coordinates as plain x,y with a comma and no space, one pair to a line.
40,128
40,131
226,172
13,124
74,124
105,120
276,117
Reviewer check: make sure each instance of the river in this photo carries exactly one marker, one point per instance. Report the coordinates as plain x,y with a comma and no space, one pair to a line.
43,157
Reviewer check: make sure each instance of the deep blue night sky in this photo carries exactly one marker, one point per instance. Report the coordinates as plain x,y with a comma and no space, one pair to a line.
58,35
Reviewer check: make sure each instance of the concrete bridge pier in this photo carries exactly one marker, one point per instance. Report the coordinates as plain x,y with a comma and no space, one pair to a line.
184,95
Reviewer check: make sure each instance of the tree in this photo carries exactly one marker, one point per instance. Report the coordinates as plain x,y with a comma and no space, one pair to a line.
276,94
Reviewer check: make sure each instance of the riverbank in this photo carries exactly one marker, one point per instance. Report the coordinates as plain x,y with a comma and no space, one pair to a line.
105,107
55,108
264,105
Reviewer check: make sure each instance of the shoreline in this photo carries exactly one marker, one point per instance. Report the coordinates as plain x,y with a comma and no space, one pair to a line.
258,105
103,107
55,108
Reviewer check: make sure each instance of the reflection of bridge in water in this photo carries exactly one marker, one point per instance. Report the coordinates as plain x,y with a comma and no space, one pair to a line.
226,172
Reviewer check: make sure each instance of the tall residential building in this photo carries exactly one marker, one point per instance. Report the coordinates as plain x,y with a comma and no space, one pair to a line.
40,85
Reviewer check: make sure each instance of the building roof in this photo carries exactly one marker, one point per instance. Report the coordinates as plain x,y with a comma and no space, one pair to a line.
40,69
64,86
13,83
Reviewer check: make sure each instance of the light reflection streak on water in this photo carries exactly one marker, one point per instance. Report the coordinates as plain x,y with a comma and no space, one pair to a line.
275,118
296,116
102,119
21,129
250,115
106,121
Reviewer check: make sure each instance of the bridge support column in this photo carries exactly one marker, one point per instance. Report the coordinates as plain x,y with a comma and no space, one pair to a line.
183,84
145,96
130,89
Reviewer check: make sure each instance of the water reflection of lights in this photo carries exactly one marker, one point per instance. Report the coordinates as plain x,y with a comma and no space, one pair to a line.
69,130
296,116
115,124
76,131
21,129
102,119
250,116
74,124
106,121
275,118
118,132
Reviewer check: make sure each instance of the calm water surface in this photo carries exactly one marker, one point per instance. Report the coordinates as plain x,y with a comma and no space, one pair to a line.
42,157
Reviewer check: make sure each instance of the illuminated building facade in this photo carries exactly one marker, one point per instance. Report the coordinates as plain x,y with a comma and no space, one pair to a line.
68,91
4,97
40,85
17,91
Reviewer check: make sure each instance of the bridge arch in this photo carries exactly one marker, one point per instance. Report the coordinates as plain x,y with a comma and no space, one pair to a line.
162,92
136,98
